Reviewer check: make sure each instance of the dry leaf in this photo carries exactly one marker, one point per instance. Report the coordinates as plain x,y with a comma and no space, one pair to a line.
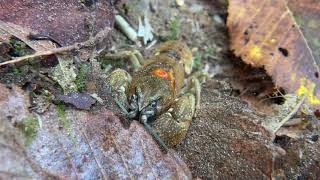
9,30
15,164
80,145
79,100
14,105
283,36
97,146
67,21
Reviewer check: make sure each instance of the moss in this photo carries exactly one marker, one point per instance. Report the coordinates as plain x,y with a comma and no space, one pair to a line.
65,123
16,71
29,127
197,61
174,29
62,117
197,57
173,32
210,52
19,48
81,77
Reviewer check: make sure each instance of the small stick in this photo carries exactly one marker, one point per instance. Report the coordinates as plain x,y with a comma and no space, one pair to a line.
77,46
291,114
126,28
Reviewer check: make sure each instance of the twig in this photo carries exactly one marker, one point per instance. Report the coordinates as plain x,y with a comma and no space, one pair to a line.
77,46
125,27
291,114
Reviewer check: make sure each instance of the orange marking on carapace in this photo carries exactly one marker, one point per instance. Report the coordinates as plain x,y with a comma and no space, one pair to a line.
164,74
161,73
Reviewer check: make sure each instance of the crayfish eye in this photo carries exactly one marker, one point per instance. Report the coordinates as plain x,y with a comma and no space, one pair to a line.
132,98
153,104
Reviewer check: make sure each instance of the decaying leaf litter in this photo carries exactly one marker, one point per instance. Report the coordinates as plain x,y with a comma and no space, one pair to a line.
226,132
286,43
285,46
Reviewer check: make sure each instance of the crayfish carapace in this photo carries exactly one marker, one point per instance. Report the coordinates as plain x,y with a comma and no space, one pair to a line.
158,94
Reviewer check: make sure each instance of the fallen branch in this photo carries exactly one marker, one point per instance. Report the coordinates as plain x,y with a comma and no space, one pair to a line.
75,47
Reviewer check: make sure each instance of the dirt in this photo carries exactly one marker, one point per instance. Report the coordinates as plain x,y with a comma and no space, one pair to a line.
195,25
226,139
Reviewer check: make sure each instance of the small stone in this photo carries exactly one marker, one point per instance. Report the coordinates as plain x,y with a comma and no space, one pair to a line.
180,2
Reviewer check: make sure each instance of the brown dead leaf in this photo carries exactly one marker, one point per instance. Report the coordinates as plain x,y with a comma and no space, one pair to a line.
9,30
67,21
14,105
79,100
15,164
80,145
283,36
96,146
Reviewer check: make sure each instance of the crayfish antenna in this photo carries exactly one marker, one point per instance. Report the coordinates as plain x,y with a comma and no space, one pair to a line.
146,126
155,136
129,115
123,109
